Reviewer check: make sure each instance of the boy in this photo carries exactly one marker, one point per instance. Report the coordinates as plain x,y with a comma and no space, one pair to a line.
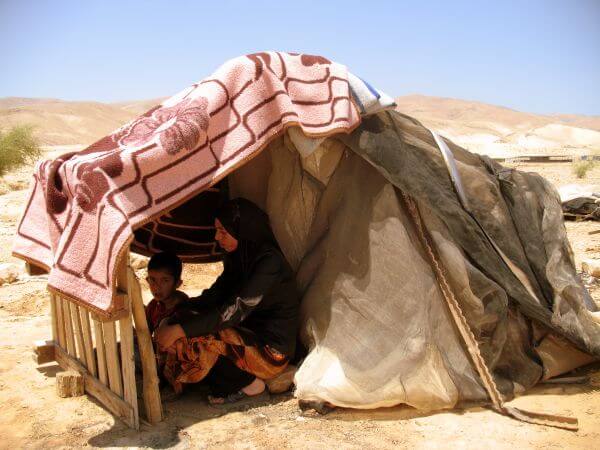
164,277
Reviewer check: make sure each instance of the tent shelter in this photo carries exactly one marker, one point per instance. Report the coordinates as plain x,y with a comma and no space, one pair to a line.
430,275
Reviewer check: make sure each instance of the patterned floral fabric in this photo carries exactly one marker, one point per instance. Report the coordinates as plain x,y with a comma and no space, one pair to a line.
84,207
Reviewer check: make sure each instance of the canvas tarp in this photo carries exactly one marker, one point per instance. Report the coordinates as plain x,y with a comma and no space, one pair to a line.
373,315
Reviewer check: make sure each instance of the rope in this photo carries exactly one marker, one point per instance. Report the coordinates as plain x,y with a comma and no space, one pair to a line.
489,384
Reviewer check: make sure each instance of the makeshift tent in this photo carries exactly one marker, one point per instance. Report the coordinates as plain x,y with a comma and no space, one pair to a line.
430,275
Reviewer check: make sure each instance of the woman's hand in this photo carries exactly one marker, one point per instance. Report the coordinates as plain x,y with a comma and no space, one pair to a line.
166,335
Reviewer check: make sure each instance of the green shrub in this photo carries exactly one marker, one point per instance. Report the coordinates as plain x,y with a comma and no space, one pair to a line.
582,166
18,147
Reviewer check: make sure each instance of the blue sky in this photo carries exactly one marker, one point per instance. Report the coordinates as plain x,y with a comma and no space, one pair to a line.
538,56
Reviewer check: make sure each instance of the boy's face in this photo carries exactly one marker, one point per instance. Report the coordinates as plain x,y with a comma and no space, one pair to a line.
162,283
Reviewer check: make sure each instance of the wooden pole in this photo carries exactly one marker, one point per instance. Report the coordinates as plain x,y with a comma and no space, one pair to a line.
127,350
112,358
77,331
71,350
60,321
100,353
84,315
151,392
53,317
127,358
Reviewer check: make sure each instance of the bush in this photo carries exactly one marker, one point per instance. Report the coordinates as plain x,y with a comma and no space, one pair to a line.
582,166
18,147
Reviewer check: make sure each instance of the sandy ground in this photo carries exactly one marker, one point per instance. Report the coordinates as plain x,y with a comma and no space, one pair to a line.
32,416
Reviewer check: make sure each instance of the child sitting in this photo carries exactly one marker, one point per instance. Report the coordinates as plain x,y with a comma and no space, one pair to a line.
164,277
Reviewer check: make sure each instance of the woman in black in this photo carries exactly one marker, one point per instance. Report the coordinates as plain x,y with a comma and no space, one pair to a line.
242,329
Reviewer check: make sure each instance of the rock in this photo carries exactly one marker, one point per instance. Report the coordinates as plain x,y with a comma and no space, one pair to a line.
260,419
9,273
592,267
138,261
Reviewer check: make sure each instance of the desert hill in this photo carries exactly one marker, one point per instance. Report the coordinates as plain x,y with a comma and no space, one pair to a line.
60,122
500,131
480,127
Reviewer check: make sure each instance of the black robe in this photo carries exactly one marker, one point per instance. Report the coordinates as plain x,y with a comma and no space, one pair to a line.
256,294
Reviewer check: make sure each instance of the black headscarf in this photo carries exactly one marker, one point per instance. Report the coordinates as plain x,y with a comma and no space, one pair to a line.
249,225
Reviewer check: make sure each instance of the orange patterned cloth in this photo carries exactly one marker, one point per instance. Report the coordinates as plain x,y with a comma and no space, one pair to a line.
189,360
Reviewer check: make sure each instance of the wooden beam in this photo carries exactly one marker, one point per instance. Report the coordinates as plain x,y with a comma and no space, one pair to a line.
78,332
128,364
87,340
43,352
60,321
151,392
69,328
92,386
112,358
126,334
53,317
100,353
69,384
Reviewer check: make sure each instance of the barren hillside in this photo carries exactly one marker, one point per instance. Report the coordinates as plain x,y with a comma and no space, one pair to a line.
500,131
483,128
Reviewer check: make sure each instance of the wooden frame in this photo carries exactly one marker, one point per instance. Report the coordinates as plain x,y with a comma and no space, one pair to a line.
105,358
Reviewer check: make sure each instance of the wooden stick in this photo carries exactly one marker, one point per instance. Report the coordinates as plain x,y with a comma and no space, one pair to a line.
128,363
77,331
53,317
60,321
87,340
100,353
151,393
112,358
93,387
69,328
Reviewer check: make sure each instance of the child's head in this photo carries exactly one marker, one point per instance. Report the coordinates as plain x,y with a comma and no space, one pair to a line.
164,275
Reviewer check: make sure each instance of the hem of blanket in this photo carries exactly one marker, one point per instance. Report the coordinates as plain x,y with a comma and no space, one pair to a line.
107,314
31,260
346,130
134,226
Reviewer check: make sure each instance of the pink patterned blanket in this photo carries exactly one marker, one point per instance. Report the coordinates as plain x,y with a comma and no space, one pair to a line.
84,206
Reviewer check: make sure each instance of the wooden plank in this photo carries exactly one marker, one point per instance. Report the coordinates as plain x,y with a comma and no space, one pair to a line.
69,384
53,317
60,321
92,386
128,364
112,358
43,352
151,392
88,344
78,332
100,353
126,334
69,328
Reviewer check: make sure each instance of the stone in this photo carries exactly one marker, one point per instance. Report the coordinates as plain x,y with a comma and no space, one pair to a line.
9,273
138,262
591,267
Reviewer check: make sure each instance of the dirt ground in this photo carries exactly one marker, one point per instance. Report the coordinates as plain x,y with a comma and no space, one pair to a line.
32,416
